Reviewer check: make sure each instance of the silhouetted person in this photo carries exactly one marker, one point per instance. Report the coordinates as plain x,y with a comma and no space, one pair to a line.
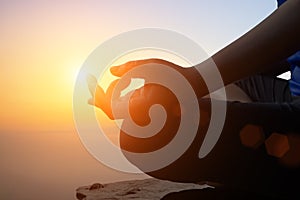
252,62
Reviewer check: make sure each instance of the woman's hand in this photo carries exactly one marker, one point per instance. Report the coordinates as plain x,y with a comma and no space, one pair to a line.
191,74
139,101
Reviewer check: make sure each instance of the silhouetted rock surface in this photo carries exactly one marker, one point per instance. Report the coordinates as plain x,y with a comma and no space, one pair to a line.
147,189
155,189
217,194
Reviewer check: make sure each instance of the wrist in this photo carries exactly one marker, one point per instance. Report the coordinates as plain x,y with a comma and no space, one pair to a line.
196,80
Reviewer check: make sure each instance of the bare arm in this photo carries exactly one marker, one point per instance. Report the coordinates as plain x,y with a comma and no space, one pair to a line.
267,44
261,50
278,68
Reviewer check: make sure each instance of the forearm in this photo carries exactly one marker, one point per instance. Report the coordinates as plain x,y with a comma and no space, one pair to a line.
277,68
273,40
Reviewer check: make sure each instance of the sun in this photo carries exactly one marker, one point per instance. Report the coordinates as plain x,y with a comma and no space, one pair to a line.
71,73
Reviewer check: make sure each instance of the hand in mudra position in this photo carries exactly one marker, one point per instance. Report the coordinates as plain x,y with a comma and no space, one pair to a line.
139,100
139,103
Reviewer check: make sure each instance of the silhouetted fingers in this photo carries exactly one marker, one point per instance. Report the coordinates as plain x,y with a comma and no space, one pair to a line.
96,91
92,83
111,88
124,68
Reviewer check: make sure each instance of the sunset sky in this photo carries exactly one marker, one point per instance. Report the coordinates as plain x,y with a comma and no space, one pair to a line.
44,44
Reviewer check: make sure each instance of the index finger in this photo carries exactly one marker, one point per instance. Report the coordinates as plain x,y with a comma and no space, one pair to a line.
124,68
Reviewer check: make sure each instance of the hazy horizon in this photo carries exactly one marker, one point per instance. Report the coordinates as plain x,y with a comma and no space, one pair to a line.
49,166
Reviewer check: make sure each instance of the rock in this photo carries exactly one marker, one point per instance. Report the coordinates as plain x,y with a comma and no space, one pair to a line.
80,196
96,186
147,189
217,193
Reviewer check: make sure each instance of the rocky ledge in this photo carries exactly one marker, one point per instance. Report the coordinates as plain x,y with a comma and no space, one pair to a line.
147,189
154,189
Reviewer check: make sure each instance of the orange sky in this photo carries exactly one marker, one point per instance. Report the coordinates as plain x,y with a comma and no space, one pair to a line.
40,57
